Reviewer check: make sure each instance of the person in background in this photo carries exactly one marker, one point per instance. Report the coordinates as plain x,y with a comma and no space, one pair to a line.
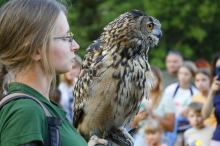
213,100
203,84
152,132
35,45
181,92
66,87
174,60
199,134
157,107
55,96
76,68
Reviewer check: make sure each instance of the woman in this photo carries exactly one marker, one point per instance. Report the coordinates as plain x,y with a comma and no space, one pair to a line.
35,45
213,100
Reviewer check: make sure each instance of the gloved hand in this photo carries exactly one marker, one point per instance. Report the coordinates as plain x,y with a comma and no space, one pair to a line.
94,140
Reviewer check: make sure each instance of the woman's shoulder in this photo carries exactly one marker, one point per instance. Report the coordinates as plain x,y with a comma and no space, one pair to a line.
22,112
25,107
22,120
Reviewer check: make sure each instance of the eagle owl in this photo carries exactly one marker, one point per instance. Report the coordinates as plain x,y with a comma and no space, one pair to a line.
115,75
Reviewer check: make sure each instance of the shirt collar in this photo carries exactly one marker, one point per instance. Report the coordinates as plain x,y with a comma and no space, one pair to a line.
15,87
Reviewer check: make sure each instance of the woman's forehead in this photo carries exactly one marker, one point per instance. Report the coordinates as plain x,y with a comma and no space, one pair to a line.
61,25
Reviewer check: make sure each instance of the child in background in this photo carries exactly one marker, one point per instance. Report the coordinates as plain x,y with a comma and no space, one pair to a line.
203,84
199,134
181,92
156,107
66,87
153,132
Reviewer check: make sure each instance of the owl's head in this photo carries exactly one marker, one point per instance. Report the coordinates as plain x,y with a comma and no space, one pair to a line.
150,28
133,29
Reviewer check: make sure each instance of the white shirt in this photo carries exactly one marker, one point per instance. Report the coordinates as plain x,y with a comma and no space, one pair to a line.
182,98
67,99
200,137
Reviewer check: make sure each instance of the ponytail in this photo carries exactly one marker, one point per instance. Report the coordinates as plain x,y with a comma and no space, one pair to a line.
3,73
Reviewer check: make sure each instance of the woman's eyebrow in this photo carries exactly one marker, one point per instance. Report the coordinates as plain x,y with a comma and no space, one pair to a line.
65,33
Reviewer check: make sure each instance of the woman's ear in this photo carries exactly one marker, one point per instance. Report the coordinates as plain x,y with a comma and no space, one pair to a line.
37,56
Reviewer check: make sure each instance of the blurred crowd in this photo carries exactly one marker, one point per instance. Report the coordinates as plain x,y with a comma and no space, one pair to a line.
180,109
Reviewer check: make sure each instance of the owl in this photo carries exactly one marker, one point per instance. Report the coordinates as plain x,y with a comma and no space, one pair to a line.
115,76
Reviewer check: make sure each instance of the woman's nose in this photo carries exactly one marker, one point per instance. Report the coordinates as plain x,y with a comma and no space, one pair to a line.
74,46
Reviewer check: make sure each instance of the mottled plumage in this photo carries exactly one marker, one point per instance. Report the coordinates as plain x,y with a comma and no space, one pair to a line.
115,74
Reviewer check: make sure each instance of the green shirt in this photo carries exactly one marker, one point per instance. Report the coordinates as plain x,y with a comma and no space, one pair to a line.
23,120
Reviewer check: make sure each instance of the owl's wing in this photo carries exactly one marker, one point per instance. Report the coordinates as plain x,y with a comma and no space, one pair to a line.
92,59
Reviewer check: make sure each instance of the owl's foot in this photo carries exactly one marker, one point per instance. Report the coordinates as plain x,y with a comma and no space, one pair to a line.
96,140
121,137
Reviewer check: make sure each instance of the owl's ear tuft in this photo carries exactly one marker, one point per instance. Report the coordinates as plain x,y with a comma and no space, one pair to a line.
137,13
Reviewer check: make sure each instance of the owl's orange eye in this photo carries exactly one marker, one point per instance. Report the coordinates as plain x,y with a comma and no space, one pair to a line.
150,26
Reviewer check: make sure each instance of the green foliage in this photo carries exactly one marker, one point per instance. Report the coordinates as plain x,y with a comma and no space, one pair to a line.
2,2
188,26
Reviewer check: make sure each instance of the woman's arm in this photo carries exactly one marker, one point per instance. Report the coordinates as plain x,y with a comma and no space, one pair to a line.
208,106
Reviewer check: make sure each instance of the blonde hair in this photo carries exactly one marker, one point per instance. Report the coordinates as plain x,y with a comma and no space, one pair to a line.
25,30
157,92
152,125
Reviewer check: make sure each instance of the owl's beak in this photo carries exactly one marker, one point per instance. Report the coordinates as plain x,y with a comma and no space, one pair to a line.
158,33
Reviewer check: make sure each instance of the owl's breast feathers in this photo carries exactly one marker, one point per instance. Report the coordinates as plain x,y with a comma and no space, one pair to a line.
115,74
112,77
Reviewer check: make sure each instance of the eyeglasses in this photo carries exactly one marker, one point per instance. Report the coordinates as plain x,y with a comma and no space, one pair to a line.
68,38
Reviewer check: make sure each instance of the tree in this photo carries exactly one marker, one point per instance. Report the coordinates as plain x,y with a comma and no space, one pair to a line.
188,26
